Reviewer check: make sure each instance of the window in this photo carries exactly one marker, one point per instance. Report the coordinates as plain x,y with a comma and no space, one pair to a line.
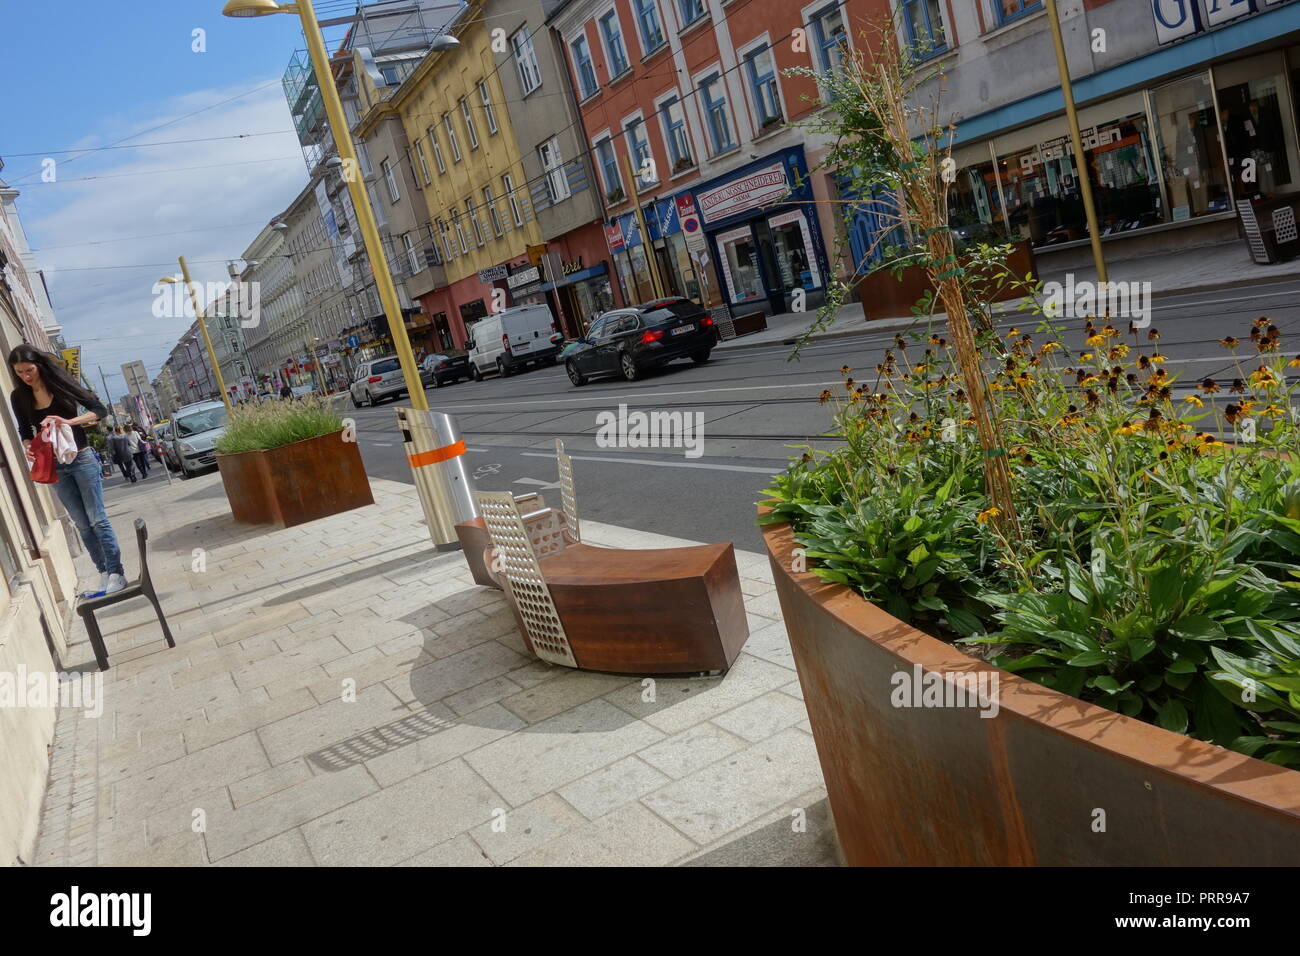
831,37
647,20
437,150
412,256
714,97
478,231
1010,9
924,26
451,136
391,179
609,168
557,182
614,49
691,10
490,202
460,233
487,107
509,185
679,144
582,66
469,124
424,166
762,86
444,231
638,145
530,76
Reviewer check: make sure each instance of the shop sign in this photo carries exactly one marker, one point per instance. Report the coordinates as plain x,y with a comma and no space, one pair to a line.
1179,19
571,267
691,228
492,274
1060,147
748,192
614,238
535,254
524,277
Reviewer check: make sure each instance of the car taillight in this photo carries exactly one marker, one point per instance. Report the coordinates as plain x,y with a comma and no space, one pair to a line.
443,364
553,328
375,378
505,341
651,335
706,321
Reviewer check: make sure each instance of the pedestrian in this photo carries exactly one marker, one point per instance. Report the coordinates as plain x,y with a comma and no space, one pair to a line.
286,391
121,447
46,393
139,449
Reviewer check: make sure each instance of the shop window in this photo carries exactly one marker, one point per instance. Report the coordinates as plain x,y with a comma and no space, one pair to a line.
647,19
792,248
714,97
1042,189
615,52
1254,137
974,206
743,275
762,86
924,19
443,331
832,39
674,124
1190,153
1008,10
582,65
471,312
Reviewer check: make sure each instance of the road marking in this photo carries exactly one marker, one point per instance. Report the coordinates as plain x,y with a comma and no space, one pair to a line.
538,482
621,397
382,444
661,464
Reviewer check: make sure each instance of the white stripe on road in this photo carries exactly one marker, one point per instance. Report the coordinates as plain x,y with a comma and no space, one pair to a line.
661,464
624,397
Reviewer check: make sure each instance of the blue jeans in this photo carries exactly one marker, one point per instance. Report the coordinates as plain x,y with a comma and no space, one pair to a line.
81,489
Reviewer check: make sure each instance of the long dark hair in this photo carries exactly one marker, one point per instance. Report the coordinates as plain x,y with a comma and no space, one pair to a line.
55,378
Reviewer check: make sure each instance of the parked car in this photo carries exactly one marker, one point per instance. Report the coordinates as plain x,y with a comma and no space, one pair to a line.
193,430
158,437
511,339
444,369
298,391
628,341
376,380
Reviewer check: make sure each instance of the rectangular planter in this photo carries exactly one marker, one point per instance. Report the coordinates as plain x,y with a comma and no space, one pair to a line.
885,297
296,483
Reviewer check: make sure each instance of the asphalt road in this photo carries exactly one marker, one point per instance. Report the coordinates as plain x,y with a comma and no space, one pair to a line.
756,407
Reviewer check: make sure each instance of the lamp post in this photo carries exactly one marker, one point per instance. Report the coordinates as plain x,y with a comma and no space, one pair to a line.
203,327
360,201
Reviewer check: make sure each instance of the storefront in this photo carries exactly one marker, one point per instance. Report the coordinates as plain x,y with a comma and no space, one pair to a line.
667,244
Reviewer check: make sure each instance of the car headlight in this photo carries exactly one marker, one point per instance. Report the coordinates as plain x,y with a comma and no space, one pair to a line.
186,447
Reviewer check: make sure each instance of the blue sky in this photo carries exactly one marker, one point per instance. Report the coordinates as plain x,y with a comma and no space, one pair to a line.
99,72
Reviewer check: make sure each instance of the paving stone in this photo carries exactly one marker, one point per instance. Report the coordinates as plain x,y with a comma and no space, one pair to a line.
611,787
512,834
183,779
266,619
731,792
771,644
693,748
630,836
249,717
560,750
488,692
462,851
319,651
763,717
267,782
419,812
329,724
441,735
453,674
564,692
287,849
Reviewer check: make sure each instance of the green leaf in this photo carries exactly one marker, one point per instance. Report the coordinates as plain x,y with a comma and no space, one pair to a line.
1089,659
918,554
913,524
1172,715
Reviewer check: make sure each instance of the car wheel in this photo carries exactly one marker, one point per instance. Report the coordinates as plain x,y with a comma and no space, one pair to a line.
627,365
185,475
355,403
700,357
551,360
576,377
435,383
370,399
503,369
475,374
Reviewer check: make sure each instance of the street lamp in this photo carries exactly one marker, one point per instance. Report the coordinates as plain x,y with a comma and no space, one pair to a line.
203,327
360,201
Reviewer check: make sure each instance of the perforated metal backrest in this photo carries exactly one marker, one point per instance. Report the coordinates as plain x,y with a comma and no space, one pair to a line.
568,494
518,564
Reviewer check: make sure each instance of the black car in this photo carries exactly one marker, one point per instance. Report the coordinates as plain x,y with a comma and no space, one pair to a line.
628,341
440,369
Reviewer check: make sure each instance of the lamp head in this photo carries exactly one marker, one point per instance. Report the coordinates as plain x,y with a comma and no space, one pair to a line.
252,8
165,279
442,42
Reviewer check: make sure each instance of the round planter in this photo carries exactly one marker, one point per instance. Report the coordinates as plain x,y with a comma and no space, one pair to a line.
921,771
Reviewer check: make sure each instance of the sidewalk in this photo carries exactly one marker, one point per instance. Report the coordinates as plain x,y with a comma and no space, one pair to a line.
1203,269
241,745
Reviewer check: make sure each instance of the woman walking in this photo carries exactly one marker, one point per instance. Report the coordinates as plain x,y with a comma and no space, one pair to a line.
46,393
121,447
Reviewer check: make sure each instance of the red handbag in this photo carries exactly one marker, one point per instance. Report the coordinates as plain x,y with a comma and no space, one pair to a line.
43,465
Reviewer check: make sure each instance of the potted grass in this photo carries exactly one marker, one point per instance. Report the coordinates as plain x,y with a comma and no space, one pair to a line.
1041,611
286,462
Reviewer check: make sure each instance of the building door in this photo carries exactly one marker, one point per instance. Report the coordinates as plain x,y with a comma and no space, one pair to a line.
771,272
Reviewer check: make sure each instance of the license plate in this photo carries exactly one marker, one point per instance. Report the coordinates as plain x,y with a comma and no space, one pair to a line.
684,328
522,346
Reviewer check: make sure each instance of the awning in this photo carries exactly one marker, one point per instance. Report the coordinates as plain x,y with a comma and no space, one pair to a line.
596,270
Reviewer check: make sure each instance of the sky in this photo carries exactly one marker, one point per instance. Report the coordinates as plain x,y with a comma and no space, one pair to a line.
99,73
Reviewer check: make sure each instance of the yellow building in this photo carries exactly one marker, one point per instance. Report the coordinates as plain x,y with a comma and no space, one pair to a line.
463,158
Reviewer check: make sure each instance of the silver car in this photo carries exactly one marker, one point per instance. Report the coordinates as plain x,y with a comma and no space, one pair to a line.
376,380
191,435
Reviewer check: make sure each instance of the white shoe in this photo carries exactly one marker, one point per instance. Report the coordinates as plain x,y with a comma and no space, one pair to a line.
116,582
103,581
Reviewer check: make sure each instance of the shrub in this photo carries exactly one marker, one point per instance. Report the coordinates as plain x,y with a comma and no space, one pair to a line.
273,423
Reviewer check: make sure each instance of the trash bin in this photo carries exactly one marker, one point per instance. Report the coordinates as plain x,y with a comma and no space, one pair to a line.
436,453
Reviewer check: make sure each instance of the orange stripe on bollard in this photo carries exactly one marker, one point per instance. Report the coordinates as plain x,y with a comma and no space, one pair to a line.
435,455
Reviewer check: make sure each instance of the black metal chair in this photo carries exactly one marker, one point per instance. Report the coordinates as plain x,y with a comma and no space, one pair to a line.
144,586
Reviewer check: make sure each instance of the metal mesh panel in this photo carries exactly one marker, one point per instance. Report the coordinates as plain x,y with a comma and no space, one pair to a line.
568,494
518,562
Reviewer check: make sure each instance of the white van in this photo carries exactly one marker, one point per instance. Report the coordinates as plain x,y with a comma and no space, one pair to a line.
508,340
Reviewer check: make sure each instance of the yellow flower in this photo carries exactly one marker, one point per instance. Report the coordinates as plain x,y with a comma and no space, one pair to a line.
985,515
1263,376
1273,411
1095,340
1156,358
1089,380
1294,363
1118,351
1194,400
1049,347
1128,429
1085,357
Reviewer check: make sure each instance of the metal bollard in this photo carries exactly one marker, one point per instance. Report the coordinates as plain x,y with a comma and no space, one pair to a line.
436,453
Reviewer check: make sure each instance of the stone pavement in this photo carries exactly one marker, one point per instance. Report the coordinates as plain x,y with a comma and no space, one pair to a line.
342,694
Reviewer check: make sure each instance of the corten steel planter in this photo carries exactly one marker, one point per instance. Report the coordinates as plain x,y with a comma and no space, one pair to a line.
297,483
885,297
1025,786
